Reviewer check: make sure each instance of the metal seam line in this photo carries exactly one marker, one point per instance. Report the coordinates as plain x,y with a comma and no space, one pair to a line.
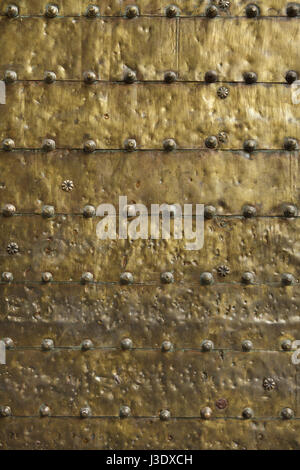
187,17
216,216
172,418
150,283
141,349
147,82
177,150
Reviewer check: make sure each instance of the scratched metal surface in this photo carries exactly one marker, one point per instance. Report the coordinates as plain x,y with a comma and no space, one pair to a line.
147,379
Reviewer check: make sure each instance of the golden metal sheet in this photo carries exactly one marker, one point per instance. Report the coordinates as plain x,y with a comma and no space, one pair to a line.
110,113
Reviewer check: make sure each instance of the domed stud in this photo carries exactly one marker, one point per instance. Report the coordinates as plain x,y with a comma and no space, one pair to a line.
126,278
287,279
170,77
164,415
290,211
290,144
130,145
292,10
252,10
47,344
92,11
132,11
250,145
211,76
48,211
211,11
207,345
8,210
48,145
125,411
5,411
172,11
269,383
85,412
51,11
126,344
166,346
206,279
44,411
89,211
287,413
206,412
49,77
247,413
129,77
247,278
169,145
247,345
89,146
291,76
89,77
7,277
12,248
211,142
223,270
209,212
223,92
86,278
221,403
249,211
222,137
10,76
250,77
12,11
86,345
286,345
67,186
8,145
9,344
167,278
47,277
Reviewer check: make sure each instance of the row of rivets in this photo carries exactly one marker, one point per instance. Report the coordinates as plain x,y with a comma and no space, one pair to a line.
130,77
211,142
164,415
126,278
48,211
171,11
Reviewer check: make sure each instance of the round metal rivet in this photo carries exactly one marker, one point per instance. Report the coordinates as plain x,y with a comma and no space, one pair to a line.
126,278
8,210
10,76
92,11
206,412
211,142
292,10
221,403
8,144
48,145
247,413
86,345
125,411
287,413
51,11
87,277
48,211
7,276
207,345
211,11
209,212
290,144
247,345
47,277
132,11
85,412
172,11
12,11
164,415
126,344
249,211
223,270
130,145
49,77
89,146
222,137
129,76
89,77
170,77
269,384
247,278
67,185
250,145
291,76
44,411
5,411
290,211
166,346
12,248
287,279
223,92
9,344
250,77
89,211
47,344
167,277
169,145
252,10
206,279
211,76
224,4
286,345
